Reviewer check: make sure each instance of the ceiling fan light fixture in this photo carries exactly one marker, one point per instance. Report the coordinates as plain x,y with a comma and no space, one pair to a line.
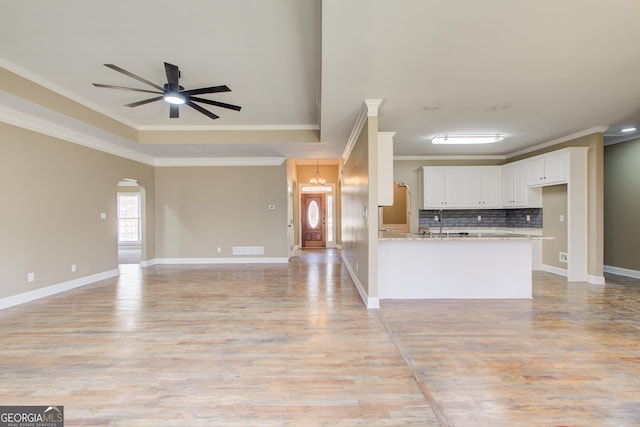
174,98
467,139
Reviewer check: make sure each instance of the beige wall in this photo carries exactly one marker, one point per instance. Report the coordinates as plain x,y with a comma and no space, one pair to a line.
554,204
202,208
52,195
622,205
355,200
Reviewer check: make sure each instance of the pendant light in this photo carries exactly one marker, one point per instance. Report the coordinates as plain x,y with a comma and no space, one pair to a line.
317,179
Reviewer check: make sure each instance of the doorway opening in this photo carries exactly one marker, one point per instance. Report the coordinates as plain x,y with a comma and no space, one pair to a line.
130,208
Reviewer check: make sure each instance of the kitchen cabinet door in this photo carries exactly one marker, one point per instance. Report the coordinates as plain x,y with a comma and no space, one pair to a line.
433,187
514,186
548,170
483,187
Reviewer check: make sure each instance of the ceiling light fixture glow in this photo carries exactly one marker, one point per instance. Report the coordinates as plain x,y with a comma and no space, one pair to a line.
174,98
467,139
628,130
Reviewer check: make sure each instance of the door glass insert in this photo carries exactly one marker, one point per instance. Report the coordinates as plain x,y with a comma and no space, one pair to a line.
313,214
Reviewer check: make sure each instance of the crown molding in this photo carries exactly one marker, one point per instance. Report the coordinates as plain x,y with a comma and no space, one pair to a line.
61,91
187,128
218,161
460,157
556,141
45,127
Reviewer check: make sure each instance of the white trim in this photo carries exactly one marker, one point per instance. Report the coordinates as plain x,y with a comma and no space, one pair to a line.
595,280
186,128
622,271
462,157
148,263
55,289
46,127
242,260
555,270
370,302
580,134
218,161
62,92
355,133
372,106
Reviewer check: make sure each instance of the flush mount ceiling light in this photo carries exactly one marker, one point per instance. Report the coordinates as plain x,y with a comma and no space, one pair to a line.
467,139
628,130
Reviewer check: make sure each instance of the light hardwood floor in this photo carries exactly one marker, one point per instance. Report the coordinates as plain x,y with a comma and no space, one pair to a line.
293,345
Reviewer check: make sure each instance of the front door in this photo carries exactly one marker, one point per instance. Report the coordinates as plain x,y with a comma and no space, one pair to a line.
313,221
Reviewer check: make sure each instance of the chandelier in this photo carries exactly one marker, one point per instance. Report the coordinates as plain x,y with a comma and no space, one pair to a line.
317,179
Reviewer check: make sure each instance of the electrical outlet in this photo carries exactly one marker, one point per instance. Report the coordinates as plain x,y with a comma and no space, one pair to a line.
563,257
31,277
528,218
73,268
219,249
479,217
561,218
435,218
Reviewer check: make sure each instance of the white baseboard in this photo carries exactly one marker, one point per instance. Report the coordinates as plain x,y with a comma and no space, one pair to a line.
55,289
555,270
622,271
370,302
595,280
243,260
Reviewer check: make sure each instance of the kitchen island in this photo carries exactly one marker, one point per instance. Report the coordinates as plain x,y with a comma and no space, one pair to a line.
474,265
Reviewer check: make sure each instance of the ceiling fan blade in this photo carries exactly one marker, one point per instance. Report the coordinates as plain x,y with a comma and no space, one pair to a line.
174,111
212,89
200,109
173,75
216,103
145,101
133,76
125,88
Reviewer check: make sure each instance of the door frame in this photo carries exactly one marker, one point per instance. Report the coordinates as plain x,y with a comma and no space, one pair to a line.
331,216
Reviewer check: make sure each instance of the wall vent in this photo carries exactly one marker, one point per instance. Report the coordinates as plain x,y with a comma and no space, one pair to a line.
248,250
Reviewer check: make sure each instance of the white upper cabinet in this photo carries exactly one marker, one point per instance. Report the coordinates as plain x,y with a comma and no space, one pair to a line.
548,169
433,187
461,187
516,193
483,184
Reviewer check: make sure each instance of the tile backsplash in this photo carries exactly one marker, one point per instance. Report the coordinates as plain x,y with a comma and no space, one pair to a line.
512,218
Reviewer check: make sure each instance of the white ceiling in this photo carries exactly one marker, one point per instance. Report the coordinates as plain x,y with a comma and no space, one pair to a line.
533,70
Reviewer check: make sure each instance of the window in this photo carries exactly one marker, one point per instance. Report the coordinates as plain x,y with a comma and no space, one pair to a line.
129,218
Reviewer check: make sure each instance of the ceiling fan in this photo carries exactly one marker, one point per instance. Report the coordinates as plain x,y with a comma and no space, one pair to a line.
173,93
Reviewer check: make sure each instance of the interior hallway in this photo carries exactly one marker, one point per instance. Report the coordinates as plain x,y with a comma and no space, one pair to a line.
291,345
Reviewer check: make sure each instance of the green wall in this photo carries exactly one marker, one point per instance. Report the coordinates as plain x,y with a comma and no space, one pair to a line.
622,205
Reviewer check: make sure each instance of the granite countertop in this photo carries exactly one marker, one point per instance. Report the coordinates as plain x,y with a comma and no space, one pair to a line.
484,234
